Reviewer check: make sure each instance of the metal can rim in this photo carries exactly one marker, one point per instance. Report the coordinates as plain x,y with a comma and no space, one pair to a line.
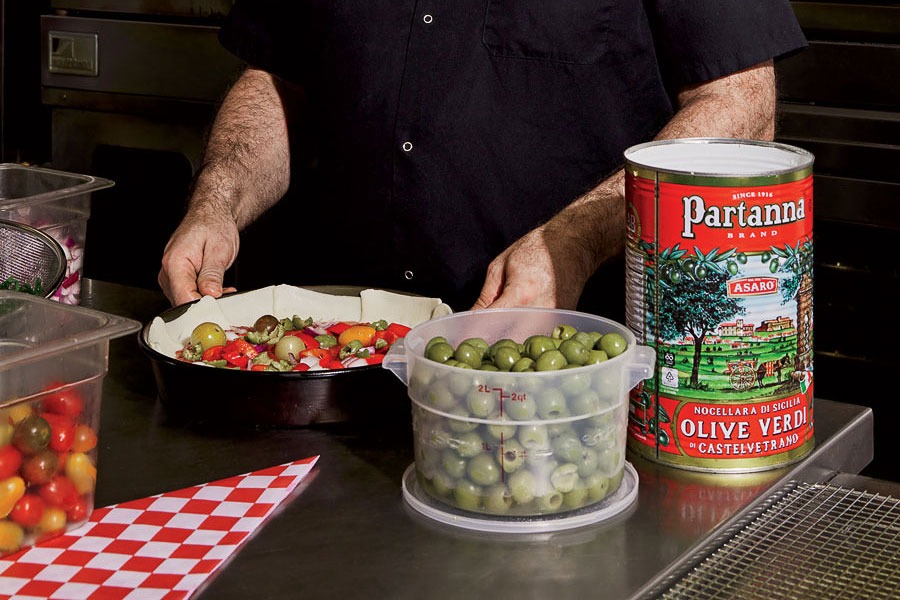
794,172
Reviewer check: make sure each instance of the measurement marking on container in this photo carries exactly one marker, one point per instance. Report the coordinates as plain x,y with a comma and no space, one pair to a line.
503,395
504,454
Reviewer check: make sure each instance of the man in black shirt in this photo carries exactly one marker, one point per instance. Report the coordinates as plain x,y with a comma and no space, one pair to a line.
470,150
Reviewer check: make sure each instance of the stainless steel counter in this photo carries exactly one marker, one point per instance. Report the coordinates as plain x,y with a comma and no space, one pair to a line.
349,534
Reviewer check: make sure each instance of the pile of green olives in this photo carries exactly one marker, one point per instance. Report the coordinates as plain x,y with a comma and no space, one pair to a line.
564,348
517,430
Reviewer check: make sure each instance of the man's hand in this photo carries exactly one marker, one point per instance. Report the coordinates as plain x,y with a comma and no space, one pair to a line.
196,258
549,266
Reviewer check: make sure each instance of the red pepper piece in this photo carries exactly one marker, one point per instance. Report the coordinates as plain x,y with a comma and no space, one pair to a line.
301,367
214,353
375,359
307,339
338,328
239,352
389,338
399,329
258,368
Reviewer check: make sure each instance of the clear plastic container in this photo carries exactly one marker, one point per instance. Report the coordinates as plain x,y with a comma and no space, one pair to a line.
514,445
53,358
58,203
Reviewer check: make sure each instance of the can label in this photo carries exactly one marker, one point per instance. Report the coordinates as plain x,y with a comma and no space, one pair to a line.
719,282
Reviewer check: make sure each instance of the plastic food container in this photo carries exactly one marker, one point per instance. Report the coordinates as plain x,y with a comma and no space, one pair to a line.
518,451
53,358
58,203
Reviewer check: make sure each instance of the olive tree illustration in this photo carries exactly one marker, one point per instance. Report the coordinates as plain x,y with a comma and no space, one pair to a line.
693,300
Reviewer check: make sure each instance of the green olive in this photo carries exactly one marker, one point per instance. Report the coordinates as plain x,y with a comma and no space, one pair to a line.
596,356
289,348
613,344
504,343
551,360
506,357
536,345
439,352
575,352
265,324
563,332
433,341
523,364
468,354
478,343
207,335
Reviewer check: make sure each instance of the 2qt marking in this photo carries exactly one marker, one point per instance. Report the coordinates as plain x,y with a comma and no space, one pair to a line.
719,280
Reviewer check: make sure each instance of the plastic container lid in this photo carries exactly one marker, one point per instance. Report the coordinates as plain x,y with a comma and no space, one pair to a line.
609,507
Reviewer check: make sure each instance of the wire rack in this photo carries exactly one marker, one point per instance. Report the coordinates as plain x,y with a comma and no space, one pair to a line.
817,541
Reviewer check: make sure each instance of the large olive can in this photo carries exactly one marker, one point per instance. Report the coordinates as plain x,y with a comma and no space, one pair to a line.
719,281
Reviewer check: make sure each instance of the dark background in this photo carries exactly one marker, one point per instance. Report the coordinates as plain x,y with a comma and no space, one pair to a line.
141,122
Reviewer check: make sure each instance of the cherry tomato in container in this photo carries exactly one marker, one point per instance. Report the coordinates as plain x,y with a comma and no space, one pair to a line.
11,489
10,461
59,492
62,431
81,472
28,511
79,512
53,520
32,434
39,468
85,439
11,536
64,401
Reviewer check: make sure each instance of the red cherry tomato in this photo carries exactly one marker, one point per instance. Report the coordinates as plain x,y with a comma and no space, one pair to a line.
59,492
63,401
10,461
62,431
28,511
79,512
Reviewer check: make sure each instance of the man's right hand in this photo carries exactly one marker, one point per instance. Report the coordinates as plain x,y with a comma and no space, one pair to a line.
196,258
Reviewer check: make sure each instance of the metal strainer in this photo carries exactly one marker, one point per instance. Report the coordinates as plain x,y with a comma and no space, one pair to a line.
30,260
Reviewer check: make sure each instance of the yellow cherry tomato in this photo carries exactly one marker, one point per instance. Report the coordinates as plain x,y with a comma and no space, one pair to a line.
11,490
19,412
53,519
82,472
11,536
363,333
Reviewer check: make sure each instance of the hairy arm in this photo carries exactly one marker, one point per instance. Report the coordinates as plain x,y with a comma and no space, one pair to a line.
245,170
550,265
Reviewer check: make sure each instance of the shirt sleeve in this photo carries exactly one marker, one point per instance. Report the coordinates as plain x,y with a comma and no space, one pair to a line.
701,40
265,34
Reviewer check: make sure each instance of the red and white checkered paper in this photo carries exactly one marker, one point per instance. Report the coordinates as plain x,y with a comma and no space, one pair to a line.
162,547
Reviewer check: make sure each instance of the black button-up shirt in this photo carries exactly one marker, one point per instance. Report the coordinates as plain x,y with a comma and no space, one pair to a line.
444,130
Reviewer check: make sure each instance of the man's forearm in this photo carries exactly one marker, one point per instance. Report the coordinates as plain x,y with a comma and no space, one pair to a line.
246,166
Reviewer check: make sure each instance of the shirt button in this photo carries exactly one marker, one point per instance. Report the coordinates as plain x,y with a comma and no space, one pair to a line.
427,19
408,275
407,146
